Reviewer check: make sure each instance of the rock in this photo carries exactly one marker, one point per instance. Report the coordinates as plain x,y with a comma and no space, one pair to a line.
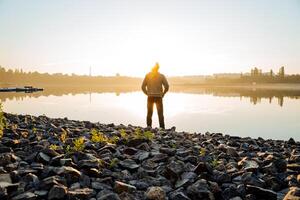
261,193
149,164
232,152
155,193
186,179
129,164
84,193
5,178
178,195
95,163
168,151
160,157
110,196
57,192
229,192
25,196
248,165
44,157
221,177
249,178
291,141
202,167
123,187
41,193
67,171
174,169
130,151
135,142
100,186
200,190
293,194
236,198
294,167
141,155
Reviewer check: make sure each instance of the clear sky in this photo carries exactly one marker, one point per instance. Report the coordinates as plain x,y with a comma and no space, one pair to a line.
186,37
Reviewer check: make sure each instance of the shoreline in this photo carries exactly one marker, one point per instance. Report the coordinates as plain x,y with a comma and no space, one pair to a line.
45,158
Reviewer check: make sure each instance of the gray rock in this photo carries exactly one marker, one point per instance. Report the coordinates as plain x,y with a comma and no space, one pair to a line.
123,187
249,178
261,193
155,193
200,190
129,164
84,193
57,192
25,196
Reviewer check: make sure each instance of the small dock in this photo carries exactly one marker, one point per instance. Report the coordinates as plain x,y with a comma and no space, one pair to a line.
26,89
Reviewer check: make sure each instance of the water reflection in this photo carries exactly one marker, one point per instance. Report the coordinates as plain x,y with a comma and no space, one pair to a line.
254,95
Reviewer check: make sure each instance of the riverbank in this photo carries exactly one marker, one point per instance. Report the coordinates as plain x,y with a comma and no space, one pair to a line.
44,158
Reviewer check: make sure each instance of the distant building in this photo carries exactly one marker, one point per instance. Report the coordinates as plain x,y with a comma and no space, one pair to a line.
256,72
281,72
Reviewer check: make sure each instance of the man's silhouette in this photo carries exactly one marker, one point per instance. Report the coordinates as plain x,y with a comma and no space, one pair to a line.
155,86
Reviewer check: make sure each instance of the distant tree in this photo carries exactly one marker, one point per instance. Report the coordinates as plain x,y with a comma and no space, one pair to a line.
271,73
281,72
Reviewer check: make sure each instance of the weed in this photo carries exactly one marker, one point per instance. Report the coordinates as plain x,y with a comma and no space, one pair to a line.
114,139
123,134
2,121
173,145
53,147
113,163
148,135
214,163
202,152
68,149
79,144
98,136
63,136
138,134
34,130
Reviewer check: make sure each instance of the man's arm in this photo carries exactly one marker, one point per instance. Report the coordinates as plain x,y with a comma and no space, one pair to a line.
144,85
165,84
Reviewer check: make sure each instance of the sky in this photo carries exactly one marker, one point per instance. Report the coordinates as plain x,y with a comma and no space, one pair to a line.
187,37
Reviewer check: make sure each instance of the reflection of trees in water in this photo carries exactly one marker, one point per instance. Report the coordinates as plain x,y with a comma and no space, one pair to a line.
255,95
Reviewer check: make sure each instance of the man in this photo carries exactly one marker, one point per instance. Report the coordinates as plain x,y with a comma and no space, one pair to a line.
155,86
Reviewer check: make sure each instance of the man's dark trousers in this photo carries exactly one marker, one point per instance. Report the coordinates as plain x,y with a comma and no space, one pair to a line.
160,110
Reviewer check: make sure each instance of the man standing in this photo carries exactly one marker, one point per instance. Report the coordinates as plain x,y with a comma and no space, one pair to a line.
155,86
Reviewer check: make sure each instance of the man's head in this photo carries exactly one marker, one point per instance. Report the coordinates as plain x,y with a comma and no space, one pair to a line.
155,68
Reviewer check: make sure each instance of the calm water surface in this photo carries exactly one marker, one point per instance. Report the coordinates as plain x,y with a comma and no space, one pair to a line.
188,112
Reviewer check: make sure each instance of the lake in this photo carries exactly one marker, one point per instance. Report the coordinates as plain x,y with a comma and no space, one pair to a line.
254,113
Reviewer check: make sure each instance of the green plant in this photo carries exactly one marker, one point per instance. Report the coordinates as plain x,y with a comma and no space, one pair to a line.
101,162
63,136
34,130
214,163
202,152
2,121
68,149
123,134
138,134
79,144
53,147
98,136
173,145
113,163
114,139
149,135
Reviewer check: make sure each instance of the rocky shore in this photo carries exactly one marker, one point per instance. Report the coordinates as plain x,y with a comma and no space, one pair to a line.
44,158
